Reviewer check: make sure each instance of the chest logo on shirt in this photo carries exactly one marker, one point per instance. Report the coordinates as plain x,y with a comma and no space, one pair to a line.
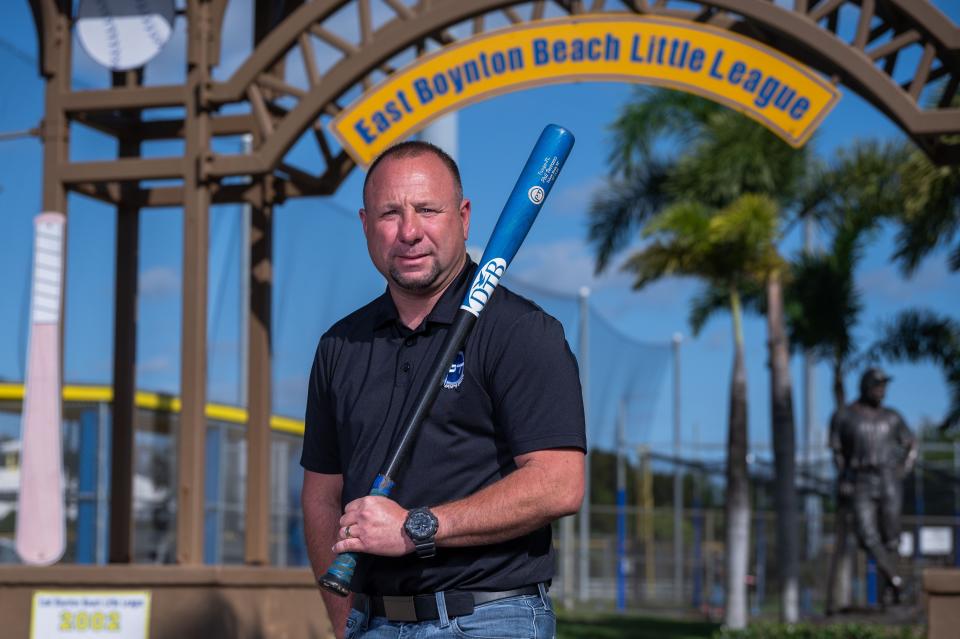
455,375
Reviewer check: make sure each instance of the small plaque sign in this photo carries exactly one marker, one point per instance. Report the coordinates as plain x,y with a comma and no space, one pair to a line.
95,615
936,540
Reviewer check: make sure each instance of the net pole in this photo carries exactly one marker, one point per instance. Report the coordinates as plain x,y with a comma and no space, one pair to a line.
677,477
583,349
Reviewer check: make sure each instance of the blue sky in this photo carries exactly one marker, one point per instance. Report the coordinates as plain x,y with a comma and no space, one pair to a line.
322,270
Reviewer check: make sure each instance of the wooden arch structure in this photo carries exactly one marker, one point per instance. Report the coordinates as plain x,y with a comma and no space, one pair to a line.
894,53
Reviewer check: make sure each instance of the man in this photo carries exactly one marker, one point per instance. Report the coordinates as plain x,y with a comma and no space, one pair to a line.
873,450
463,546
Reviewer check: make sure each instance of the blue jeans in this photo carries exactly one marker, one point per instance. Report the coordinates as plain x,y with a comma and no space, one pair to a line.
523,617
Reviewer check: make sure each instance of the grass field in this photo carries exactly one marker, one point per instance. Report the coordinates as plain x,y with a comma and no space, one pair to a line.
611,626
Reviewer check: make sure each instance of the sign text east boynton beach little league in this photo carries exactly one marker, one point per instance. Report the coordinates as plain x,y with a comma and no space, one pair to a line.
779,92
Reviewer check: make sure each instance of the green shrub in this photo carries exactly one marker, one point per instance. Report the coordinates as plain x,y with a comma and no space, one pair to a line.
808,631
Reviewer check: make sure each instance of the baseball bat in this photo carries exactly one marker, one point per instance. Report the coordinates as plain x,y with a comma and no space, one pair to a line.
536,179
40,535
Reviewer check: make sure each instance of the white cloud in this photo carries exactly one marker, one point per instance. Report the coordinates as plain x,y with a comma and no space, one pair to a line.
669,291
718,338
887,283
159,281
575,199
563,266
158,364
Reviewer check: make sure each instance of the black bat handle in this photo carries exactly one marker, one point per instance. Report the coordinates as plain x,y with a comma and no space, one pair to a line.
462,324
338,577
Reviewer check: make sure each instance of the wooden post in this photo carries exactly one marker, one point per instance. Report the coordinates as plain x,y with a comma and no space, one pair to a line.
193,360
124,347
257,537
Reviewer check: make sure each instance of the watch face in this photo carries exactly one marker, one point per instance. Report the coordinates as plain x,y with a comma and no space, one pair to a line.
421,524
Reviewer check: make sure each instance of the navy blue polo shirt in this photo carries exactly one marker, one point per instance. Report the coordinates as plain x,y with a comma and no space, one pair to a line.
517,391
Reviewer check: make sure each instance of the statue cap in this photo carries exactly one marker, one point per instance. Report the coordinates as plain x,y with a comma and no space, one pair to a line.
873,376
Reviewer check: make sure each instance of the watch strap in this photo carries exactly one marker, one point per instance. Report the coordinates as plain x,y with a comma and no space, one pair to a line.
426,548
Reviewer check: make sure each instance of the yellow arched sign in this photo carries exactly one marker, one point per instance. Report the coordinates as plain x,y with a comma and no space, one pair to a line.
776,90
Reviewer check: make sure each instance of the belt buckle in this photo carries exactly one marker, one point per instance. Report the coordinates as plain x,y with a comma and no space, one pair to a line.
399,608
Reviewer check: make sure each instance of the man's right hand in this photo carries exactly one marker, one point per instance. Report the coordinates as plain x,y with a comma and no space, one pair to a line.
321,514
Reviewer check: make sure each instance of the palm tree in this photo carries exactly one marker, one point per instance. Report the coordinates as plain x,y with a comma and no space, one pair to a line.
822,306
727,249
722,157
849,198
929,219
931,214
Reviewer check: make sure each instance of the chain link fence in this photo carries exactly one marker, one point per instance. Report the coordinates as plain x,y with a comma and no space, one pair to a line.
637,570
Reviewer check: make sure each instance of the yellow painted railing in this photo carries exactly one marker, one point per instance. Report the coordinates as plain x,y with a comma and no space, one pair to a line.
160,402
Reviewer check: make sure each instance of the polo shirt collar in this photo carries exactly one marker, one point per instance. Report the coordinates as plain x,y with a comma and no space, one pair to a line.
446,307
443,311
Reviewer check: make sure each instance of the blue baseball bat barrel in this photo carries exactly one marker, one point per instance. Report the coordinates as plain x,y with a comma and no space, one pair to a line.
536,179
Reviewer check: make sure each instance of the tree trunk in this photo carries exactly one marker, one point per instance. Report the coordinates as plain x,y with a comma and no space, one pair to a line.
839,396
840,576
737,505
784,452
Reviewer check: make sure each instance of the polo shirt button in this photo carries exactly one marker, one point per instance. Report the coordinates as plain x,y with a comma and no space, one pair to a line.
406,367
410,341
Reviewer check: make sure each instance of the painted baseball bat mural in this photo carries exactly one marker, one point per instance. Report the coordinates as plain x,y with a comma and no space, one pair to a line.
536,179
40,537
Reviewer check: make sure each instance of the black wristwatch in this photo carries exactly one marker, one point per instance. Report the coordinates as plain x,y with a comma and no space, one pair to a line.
421,528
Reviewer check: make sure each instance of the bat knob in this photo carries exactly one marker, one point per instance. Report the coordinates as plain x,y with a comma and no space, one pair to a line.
334,585
338,577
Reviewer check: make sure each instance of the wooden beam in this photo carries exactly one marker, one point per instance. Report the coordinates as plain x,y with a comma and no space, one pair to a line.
893,45
823,9
923,71
126,98
122,170
257,514
192,432
867,9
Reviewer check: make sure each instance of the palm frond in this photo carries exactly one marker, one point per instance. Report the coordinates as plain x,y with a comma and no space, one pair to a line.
705,305
686,223
656,117
931,215
658,260
734,156
681,245
920,335
822,304
745,234
617,212
858,189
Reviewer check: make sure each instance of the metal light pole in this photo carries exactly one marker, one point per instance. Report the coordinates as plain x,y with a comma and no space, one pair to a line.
812,504
567,534
621,506
677,477
584,530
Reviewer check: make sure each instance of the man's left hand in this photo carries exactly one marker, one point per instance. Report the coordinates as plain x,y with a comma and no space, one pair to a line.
373,525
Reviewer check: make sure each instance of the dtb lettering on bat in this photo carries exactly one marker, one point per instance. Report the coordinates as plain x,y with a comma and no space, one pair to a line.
484,283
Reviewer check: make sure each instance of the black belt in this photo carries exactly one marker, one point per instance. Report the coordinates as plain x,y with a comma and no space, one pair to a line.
424,607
